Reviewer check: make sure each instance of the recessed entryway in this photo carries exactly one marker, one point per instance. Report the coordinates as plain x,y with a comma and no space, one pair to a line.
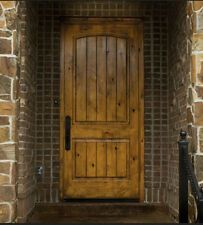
45,162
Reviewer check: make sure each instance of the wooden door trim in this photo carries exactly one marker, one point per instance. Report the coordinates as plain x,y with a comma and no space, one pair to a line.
88,20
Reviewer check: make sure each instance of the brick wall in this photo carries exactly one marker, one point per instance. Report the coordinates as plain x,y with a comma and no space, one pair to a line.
27,40
185,88
180,116
8,71
48,89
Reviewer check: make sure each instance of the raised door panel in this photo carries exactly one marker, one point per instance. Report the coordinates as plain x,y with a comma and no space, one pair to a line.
101,86
101,159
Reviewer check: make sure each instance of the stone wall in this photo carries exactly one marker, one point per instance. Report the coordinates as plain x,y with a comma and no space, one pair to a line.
8,102
179,78
156,83
195,11
186,89
18,22
27,40
195,91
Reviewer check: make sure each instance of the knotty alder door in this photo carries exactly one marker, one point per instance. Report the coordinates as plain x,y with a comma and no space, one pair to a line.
101,93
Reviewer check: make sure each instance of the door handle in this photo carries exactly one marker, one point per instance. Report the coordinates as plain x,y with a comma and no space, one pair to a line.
67,132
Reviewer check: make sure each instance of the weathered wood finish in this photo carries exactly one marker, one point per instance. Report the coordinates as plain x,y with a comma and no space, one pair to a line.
92,96
102,92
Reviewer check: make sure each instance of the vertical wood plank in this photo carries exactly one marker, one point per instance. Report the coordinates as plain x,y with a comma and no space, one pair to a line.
91,79
122,159
101,159
134,111
80,159
91,159
81,80
101,78
121,80
111,159
111,78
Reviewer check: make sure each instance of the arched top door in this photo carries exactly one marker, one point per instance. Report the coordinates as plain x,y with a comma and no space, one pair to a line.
101,94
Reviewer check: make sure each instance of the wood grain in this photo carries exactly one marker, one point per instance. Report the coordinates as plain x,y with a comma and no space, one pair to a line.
101,79
111,78
102,91
101,159
111,159
81,159
121,160
91,79
91,159
121,80
81,112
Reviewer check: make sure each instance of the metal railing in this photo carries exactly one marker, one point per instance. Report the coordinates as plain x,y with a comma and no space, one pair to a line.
186,173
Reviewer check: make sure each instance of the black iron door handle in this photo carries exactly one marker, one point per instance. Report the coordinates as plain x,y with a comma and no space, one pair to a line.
67,132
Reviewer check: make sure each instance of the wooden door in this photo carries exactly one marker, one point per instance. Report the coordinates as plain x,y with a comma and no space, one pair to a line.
102,93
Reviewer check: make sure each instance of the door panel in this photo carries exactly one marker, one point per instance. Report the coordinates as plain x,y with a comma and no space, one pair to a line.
101,95
101,159
101,79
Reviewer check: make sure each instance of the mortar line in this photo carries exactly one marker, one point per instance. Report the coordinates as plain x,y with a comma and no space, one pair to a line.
161,105
52,105
152,108
36,94
43,95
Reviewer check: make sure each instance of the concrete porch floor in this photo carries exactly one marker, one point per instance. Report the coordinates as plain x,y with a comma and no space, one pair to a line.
82,212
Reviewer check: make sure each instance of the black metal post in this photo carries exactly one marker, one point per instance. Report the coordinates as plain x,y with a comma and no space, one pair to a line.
183,178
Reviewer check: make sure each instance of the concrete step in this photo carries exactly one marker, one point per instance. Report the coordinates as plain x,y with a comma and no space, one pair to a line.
105,212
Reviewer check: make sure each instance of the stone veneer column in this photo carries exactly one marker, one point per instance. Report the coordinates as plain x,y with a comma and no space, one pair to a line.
195,91
195,94
8,78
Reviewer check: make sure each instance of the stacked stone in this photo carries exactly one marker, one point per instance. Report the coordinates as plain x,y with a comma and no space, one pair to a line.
195,92
8,69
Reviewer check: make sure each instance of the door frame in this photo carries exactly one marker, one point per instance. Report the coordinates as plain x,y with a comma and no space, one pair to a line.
94,20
